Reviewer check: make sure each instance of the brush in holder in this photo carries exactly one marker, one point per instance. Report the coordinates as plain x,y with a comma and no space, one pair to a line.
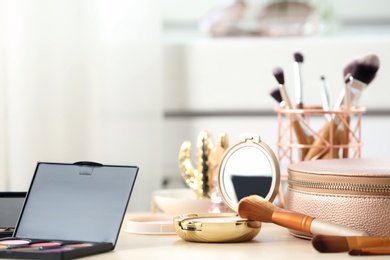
312,133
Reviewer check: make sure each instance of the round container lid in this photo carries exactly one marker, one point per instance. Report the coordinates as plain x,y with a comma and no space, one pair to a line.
215,227
151,225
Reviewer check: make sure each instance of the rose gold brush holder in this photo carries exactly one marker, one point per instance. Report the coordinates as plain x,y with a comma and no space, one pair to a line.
312,134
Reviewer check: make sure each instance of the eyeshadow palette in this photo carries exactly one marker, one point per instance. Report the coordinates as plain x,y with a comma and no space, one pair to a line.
50,249
71,211
11,204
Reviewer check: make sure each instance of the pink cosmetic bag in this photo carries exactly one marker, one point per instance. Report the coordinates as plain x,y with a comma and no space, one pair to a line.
351,192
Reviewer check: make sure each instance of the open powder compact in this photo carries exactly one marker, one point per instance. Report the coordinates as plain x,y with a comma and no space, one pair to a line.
248,167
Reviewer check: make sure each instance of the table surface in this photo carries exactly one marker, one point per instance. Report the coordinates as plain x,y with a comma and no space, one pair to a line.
273,242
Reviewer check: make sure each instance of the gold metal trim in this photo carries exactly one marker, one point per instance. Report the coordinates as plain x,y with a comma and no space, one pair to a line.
215,227
250,140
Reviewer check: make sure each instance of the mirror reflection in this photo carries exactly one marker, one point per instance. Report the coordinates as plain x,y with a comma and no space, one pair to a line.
247,172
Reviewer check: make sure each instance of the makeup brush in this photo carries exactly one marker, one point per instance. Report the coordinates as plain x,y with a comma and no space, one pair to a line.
275,93
279,76
256,208
298,79
362,69
334,244
300,134
350,67
362,75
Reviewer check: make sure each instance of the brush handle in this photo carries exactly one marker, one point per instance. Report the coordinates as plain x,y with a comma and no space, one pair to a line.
333,153
292,220
310,225
298,129
381,250
364,242
317,147
345,136
321,227
298,85
301,135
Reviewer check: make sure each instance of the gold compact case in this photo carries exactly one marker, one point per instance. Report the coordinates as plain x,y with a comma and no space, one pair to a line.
248,167
215,227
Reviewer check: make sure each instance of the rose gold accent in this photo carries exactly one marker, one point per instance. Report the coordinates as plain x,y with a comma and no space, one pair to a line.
360,242
289,146
292,220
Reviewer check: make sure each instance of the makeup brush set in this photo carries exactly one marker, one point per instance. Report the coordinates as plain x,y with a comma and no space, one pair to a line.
337,135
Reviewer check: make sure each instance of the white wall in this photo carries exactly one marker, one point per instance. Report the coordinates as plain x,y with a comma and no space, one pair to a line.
231,73
81,80
235,74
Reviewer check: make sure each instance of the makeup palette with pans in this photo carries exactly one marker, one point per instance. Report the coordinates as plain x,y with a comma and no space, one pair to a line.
71,211
11,204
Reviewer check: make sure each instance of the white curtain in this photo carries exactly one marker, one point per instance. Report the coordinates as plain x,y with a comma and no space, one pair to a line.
80,80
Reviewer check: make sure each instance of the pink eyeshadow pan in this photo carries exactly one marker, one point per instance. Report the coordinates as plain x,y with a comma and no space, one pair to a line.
46,244
29,248
78,245
14,242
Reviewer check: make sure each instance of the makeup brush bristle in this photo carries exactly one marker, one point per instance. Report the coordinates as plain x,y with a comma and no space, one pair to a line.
350,67
330,244
255,207
279,75
371,59
298,57
275,93
366,68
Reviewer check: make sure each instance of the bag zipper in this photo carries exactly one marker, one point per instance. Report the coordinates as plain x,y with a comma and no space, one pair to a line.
325,183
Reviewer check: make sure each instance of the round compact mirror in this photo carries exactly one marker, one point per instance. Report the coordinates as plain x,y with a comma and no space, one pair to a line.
249,167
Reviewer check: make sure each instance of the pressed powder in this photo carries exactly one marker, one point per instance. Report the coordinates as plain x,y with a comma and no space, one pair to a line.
78,245
46,244
14,242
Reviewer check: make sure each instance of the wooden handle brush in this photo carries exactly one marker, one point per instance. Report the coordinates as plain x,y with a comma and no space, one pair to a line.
302,136
320,145
256,208
334,152
336,244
